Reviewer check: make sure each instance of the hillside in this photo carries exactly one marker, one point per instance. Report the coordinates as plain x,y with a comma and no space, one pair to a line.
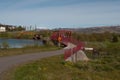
102,29
111,29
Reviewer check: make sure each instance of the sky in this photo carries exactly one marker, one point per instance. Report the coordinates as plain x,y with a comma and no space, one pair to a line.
60,13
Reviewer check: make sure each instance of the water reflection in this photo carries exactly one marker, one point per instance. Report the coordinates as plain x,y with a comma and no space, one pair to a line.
19,43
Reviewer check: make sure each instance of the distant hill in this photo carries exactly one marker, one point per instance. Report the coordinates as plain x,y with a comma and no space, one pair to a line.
111,29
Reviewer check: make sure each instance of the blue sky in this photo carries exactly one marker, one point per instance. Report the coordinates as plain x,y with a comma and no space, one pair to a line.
60,13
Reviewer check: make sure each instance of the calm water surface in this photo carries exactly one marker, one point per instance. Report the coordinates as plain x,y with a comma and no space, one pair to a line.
19,43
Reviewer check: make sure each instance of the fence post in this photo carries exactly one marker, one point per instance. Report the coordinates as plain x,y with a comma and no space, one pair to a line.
75,57
72,55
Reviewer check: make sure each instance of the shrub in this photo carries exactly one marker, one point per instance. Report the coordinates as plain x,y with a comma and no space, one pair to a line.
114,38
5,45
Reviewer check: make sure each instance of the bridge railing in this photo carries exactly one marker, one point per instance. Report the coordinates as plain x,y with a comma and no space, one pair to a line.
67,39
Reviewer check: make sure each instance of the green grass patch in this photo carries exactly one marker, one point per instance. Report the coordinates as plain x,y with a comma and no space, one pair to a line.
26,50
55,68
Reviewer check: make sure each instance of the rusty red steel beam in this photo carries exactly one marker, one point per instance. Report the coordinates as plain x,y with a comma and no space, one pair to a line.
68,39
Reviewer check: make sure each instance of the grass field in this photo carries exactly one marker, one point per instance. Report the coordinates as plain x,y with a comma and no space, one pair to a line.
102,67
26,50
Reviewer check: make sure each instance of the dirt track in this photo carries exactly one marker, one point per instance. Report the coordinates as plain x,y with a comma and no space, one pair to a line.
8,62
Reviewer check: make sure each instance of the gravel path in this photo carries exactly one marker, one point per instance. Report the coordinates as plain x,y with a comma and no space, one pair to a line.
8,62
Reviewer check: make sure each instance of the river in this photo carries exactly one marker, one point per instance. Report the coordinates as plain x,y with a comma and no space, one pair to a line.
19,43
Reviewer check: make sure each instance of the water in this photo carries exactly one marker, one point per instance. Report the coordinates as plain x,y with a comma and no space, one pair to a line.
19,43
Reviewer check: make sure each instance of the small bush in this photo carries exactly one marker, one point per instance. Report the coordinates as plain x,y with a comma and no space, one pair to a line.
5,45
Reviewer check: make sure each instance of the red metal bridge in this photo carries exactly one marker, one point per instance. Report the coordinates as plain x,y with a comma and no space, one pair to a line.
64,37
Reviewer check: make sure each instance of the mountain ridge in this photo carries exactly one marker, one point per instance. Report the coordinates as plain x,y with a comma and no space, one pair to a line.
101,29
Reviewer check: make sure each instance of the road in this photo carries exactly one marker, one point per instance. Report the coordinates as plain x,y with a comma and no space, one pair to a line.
8,62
